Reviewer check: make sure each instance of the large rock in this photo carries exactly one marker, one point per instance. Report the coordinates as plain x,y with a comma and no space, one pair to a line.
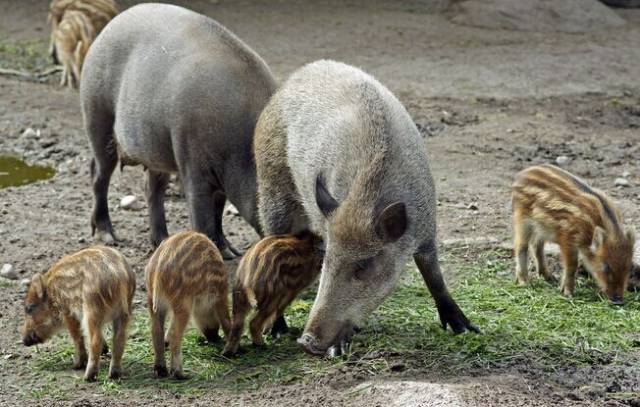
571,16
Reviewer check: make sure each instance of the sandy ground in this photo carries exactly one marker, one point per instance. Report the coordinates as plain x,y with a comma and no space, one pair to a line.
489,103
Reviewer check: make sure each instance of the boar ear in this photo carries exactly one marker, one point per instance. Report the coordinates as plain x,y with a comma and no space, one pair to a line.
37,285
392,222
598,238
325,201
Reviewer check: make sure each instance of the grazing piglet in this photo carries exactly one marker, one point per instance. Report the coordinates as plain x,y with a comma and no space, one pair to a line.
72,39
550,204
185,276
99,12
83,291
269,277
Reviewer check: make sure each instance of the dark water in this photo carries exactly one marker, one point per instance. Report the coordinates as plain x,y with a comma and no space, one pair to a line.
15,172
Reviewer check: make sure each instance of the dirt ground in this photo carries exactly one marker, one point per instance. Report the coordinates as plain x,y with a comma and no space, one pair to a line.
488,102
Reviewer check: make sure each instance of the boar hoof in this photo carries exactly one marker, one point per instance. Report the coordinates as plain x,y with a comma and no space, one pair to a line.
105,237
79,363
210,336
452,315
227,254
308,343
230,351
115,373
160,371
105,349
179,375
90,375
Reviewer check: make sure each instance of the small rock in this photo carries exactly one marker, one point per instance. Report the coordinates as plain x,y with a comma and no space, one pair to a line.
82,240
7,271
9,356
472,206
626,174
562,160
31,133
25,282
622,182
130,202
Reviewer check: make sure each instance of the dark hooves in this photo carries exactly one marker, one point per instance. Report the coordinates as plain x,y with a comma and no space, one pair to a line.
451,315
160,371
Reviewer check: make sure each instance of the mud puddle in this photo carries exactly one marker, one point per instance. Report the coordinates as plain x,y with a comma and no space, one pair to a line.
16,172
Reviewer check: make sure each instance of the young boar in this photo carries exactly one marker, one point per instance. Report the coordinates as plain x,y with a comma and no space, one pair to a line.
552,205
269,277
176,92
338,154
99,12
185,276
83,291
72,39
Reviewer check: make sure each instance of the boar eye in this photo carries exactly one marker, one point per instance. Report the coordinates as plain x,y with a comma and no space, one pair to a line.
30,308
364,264
607,268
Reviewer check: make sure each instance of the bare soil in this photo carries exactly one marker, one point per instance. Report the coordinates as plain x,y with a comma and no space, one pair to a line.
488,102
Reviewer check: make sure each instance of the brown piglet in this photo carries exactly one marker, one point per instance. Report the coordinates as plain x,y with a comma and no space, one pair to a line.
83,291
552,205
185,277
72,38
269,277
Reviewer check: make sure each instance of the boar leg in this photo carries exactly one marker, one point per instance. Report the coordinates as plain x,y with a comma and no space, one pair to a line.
178,325
257,326
540,263
204,314
154,193
158,318
450,313
570,264
93,322
241,308
202,202
220,200
119,339
99,128
279,326
75,330
522,237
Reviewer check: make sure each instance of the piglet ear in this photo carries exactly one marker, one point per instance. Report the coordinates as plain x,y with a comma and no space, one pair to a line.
599,235
325,201
37,286
392,222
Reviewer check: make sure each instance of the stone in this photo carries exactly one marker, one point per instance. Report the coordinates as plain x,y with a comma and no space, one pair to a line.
7,271
130,202
622,182
563,160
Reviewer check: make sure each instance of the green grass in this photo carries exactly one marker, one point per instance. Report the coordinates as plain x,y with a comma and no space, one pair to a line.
30,55
534,325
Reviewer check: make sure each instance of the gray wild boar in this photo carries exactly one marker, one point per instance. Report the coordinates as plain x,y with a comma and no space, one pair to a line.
337,153
174,91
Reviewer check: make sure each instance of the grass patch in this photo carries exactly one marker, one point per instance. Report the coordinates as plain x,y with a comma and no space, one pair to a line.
30,55
535,325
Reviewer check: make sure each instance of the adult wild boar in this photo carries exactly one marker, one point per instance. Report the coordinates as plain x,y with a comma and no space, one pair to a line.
337,153
174,91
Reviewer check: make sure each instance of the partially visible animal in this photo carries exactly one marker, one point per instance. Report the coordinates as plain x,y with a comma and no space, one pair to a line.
82,292
553,205
72,38
269,277
338,154
185,276
99,12
177,92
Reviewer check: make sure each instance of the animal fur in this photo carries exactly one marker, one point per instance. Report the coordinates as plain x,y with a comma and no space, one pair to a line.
83,291
552,205
72,38
185,277
269,277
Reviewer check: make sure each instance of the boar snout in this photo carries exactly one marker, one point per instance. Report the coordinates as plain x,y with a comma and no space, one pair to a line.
616,299
30,338
340,344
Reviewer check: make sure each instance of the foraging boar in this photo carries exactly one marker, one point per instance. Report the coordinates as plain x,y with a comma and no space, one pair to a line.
174,91
338,154
269,277
72,38
99,13
83,291
185,276
552,205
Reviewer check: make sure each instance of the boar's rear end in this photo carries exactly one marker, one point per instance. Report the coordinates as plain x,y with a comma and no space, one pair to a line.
175,91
